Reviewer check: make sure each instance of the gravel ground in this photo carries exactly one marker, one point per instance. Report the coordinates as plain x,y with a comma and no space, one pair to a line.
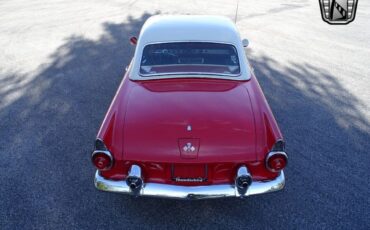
61,63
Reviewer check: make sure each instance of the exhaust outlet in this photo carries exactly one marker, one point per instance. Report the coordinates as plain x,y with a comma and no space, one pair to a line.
243,180
134,179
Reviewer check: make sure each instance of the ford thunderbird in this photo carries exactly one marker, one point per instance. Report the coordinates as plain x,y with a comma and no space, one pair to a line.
189,119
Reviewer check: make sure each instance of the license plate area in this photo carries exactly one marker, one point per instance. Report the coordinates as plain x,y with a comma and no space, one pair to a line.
189,172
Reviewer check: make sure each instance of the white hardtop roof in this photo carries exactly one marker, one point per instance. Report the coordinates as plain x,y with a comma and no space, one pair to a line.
189,28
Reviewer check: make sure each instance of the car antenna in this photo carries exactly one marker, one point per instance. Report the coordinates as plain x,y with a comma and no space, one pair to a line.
236,11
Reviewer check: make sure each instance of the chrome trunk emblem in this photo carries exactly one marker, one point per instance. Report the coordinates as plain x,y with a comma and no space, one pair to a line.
188,147
188,128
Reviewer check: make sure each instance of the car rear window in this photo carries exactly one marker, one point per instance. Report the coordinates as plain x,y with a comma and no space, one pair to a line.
183,58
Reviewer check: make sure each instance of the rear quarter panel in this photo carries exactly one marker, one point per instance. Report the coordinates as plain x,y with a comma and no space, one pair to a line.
267,129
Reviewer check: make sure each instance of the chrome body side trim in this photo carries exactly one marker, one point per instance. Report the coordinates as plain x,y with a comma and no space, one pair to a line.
190,192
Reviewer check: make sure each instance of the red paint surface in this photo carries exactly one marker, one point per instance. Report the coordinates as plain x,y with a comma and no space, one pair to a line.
231,122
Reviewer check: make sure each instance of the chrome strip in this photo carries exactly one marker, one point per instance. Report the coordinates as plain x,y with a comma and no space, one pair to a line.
190,192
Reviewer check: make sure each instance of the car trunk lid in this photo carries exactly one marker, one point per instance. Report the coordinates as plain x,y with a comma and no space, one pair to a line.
189,121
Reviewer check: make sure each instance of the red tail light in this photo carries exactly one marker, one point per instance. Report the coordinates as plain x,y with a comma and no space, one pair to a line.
276,161
102,160
133,40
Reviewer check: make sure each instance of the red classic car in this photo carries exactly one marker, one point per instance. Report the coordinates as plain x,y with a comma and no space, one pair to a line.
189,119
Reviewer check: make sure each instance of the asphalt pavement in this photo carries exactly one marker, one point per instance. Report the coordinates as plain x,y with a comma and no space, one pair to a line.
61,63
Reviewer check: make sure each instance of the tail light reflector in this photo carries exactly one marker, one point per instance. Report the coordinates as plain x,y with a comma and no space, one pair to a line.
133,40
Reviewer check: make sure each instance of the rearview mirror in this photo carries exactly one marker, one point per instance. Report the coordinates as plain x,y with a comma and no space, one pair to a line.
245,42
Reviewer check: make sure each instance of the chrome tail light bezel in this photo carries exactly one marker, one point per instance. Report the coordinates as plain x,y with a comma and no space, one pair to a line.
100,148
273,153
105,152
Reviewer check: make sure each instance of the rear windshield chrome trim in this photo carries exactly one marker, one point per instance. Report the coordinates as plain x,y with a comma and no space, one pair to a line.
135,75
190,73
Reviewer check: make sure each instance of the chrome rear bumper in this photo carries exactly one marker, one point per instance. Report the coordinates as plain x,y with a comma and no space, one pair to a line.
190,192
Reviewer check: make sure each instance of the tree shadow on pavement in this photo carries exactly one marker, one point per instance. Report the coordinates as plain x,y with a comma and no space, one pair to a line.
48,132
